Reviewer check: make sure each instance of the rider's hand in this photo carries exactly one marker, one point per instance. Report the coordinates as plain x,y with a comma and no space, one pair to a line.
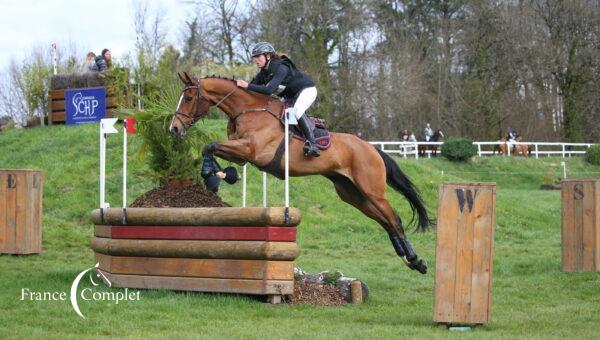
242,83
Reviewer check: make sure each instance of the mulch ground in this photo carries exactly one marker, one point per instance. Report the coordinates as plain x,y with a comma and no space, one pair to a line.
179,196
316,294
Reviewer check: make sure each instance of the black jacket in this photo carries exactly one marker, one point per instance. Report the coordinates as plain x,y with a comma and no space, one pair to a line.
280,72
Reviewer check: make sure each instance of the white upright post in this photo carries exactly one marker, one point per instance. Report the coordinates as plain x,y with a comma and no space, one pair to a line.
124,166
287,161
244,186
102,163
264,189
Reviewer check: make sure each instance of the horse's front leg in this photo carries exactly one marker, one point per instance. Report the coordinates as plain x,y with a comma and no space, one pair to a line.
239,151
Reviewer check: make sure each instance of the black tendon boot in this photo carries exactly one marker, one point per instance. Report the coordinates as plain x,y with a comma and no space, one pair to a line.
310,148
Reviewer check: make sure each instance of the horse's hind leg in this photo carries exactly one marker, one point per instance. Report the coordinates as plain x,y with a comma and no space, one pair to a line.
371,182
349,193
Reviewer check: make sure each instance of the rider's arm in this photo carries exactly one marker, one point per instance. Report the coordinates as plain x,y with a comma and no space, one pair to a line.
272,86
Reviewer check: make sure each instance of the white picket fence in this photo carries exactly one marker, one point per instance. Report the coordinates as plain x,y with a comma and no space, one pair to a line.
410,149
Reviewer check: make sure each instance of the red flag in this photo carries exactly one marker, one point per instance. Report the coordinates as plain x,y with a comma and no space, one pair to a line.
130,125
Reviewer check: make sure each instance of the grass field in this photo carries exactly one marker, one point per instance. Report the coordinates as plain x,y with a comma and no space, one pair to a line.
531,296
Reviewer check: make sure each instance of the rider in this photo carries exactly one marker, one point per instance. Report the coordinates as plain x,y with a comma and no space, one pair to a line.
428,133
276,70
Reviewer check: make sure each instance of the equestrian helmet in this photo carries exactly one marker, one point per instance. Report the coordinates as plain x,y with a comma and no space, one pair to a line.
262,48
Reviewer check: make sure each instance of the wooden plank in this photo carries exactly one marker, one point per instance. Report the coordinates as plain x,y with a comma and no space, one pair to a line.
11,213
38,186
102,231
249,250
60,94
483,240
596,225
464,255
60,116
198,216
3,212
258,287
58,105
568,221
587,227
208,268
239,233
445,254
577,231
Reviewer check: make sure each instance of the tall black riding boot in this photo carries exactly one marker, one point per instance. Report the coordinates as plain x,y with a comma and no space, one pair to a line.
310,148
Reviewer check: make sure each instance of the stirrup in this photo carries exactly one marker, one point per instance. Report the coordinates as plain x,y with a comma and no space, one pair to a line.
310,149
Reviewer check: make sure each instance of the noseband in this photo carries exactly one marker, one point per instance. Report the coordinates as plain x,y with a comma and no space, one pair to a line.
199,96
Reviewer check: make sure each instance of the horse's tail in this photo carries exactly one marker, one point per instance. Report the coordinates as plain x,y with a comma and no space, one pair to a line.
400,182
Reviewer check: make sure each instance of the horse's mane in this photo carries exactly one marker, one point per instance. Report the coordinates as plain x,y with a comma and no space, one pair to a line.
216,76
233,80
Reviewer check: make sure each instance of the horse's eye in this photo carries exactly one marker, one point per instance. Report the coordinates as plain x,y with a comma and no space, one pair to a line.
188,98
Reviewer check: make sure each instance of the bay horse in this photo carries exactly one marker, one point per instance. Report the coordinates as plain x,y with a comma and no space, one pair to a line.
357,169
438,136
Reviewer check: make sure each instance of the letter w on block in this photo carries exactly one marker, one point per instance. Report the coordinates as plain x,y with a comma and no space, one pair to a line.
465,196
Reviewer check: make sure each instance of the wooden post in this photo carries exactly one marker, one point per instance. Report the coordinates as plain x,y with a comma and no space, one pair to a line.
464,253
21,211
580,225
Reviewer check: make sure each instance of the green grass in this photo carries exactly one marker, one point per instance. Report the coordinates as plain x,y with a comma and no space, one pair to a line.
531,296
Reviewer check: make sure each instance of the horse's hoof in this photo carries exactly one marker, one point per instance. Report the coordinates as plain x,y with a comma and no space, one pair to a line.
419,265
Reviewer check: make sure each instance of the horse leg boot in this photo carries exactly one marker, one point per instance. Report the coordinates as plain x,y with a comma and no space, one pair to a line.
404,249
309,146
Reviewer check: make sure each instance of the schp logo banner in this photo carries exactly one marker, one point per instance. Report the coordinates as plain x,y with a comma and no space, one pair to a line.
84,106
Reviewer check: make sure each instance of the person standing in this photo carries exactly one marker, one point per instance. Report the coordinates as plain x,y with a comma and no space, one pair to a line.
90,63
104,61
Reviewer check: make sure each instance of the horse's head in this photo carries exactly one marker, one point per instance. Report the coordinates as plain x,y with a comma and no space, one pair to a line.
440,134
192,106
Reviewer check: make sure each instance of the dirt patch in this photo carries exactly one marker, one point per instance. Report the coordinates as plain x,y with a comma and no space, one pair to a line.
174,195
316,294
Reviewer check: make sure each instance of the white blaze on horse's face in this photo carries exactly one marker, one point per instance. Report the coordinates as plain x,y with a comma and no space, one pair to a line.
177,132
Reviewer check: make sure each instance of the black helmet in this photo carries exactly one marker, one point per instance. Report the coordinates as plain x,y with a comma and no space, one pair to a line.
262,48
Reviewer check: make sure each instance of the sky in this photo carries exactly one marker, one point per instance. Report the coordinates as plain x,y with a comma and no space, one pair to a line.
87,25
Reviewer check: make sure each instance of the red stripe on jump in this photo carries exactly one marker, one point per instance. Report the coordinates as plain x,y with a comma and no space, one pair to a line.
230,233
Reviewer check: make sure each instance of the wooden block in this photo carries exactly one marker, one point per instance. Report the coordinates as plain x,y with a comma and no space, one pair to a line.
258,287
60,94
207,268
580,225
20,211
234,233
227,216
464,253
247,250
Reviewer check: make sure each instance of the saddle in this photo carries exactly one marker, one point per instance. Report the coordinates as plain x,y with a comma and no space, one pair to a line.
322,135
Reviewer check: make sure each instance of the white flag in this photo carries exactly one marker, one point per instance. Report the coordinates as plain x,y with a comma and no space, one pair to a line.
108,125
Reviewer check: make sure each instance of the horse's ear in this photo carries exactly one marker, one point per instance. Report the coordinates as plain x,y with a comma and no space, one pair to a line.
189,79
182,78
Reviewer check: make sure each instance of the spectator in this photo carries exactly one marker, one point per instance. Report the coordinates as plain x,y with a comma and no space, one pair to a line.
412,137
104,61
90,63
405,135
428,133
512,135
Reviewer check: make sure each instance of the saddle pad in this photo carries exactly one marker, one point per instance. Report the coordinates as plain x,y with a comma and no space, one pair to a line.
322,135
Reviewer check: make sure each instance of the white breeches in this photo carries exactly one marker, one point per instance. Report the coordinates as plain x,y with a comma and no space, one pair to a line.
304,101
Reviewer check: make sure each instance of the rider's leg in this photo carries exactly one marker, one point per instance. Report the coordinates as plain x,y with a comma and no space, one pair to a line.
305,99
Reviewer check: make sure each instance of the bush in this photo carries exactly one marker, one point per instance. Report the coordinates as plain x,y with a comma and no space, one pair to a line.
459,149
169,158
592,155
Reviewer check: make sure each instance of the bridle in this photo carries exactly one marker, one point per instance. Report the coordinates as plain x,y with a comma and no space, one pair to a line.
199,96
